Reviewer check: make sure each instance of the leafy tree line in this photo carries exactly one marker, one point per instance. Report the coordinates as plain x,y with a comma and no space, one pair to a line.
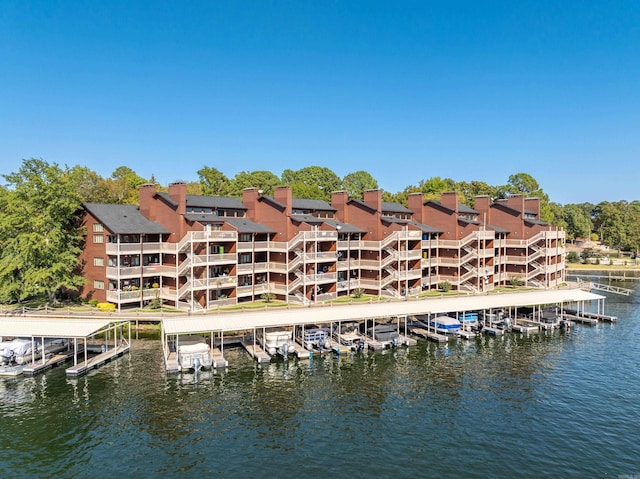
41,239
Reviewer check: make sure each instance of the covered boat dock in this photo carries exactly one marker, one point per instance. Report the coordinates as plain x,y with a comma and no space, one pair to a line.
81,334
221,323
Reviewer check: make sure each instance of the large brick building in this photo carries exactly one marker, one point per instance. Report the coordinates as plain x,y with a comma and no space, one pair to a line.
200,252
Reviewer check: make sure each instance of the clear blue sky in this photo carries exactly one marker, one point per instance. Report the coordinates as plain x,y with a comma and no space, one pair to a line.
468,90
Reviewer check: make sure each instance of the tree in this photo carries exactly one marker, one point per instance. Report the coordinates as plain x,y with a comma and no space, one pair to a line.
435,186
213,181
469,191
39,235
263,180
321,177
357,182
91,187
124,185
526,185
609,223
578,224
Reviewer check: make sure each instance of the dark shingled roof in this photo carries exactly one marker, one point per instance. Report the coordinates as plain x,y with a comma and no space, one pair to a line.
535,222
313,205
422,227
122,219
200,201
244,225
344,227
498,229
204,218
394,208
307,219
461,208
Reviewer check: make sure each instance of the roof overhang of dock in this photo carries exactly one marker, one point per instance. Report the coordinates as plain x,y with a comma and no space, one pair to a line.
53,327
248,320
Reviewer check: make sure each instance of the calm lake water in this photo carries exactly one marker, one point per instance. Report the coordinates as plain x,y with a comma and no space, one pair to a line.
559,404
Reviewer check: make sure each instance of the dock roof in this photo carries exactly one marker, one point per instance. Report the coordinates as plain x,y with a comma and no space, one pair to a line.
52,327
238,321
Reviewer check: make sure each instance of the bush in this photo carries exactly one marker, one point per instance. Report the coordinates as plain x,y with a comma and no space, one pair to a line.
573,257
107,307
267,297
445,286
93,302
357,293
516,282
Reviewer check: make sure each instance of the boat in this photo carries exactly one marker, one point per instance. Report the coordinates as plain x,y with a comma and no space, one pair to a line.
445,325
19,352
469,321
194,353
279,342
348,334
385,333
316,338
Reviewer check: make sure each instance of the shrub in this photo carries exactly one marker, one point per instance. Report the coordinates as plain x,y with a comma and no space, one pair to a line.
445,286
357,293
268,297
107,307
573,257
516,282
93,302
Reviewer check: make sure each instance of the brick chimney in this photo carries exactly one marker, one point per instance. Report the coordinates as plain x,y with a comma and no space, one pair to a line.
516,202
533,204
250,200
482,204
178,193
339,201
449,199
146,195
416,204
373,198
284,195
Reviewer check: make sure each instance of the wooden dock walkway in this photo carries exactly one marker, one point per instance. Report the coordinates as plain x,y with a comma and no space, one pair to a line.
430,335
218,360
464,334
493,331
256,352
98,360
524,327
338,348
32,369
171,363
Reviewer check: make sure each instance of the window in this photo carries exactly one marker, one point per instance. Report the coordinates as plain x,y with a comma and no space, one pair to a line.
98,284
98,227
98,239
245,237
98,261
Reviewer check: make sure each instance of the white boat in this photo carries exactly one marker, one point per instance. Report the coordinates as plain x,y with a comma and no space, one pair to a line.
316,338
19,352
279,342
445,325
194,353
348,334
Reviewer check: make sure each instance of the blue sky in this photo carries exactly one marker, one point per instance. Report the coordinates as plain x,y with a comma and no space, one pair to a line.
404,90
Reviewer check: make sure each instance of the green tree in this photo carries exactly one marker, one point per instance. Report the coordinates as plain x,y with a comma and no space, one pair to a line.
322,178
91,187
578,224
609,223
310,192
213,181
469,191
124,185
435,186
357,182
39,235
261,179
